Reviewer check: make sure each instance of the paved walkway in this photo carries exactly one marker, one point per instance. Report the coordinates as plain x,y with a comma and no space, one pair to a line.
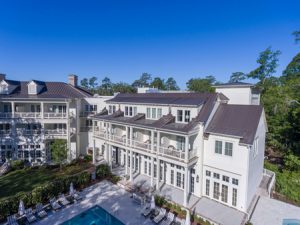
273,212
109,197
218,212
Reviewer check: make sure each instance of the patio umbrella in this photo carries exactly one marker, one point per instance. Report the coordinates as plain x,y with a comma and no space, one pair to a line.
71,189
152,204
21,211
188,218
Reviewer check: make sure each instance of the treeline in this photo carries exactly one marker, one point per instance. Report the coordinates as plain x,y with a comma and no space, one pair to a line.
280,96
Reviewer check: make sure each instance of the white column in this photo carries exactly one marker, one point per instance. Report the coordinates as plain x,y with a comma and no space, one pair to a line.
130,168
12,108
152,141
42,110
126,162
186,149
110,155
158,141
106,152
94,151
131,136
157,173
152,171
186,187
127,138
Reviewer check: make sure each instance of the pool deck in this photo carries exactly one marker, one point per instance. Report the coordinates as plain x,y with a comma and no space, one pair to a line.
272,212
111,197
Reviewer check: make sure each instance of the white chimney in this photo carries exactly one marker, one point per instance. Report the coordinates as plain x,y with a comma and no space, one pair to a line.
73,80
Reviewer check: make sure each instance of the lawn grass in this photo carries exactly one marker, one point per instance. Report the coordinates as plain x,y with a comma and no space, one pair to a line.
287,182
25,180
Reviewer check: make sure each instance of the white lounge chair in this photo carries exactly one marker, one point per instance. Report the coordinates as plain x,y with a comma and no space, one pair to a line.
11,220
160,216
62,199
76,196
29,215
54,204
40,210
147,210
169,220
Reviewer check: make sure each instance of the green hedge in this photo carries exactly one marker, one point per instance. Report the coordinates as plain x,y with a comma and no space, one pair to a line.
43,193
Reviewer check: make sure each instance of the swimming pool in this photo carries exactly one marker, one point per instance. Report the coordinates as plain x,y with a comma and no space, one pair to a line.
94,216
291,222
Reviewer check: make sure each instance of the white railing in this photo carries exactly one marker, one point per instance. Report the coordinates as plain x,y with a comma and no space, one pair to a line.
99,133
172,152
141,145
5,132
27,115
56,132
272,181
52,115
4,115
27,132
118,139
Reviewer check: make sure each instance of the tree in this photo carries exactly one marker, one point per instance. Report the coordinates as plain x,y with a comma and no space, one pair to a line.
158,83
144,81
268,62
106,87
171,84
201,84
293,68
84,83
59,151
122,87
297,36
237,76
93,83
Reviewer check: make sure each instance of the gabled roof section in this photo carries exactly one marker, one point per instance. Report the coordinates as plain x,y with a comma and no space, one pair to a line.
58,90
185,99
236,120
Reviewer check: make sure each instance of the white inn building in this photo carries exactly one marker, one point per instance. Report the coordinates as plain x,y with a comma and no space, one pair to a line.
202,144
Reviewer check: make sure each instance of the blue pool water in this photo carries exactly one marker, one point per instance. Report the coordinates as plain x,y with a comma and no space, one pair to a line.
291,222
94,216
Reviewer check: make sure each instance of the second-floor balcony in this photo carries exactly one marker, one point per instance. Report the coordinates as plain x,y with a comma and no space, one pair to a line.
5,133
169,151
53,133
28,132
33,115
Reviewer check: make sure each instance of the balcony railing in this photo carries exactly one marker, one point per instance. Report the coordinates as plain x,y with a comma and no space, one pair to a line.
55,132
164,151
5,133
4,115
52,115
27,115
27,132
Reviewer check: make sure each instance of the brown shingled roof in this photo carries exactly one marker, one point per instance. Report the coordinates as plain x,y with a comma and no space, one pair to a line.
236,120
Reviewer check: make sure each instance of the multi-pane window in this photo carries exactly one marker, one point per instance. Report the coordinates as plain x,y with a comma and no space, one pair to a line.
130,111
111,109
218,147
192,184
153,113
172,177
149,169
180,143
155,170
145,167
216,190
178,179
224,195
225,178
159,113
180,115
207,186
148,112
228,148
234,196
235,181
187,115
216,175
208,173
134,110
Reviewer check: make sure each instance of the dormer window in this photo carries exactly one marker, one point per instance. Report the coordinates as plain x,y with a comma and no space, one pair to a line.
32,89
183,116
3,88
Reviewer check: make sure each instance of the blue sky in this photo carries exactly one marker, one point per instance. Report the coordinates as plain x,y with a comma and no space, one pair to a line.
47,40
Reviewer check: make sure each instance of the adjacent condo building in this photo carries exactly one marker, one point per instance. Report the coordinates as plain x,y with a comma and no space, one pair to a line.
204,144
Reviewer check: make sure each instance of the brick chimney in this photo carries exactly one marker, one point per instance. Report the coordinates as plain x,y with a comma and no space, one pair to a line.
2,76
73,80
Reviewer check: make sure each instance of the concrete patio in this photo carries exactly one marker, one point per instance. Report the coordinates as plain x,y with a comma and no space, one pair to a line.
271,211
218,212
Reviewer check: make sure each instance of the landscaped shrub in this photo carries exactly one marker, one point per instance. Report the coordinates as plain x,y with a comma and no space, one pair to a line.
17,164
88,158
115,179
103,171
160,201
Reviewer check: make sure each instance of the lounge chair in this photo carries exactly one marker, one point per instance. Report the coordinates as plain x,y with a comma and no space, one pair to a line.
169,220
76,196
11,220
62,199
54,204
40,210
29,215
146,210
160,216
